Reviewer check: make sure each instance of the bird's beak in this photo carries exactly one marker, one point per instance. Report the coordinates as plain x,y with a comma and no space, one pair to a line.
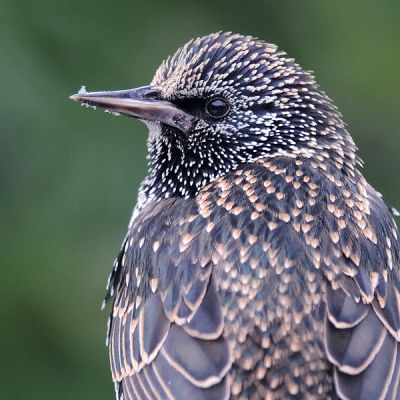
140,103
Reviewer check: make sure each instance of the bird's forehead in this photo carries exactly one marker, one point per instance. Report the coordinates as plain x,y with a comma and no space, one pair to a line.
215,62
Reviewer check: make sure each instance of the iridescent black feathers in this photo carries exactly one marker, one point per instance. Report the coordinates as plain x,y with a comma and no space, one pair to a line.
258,264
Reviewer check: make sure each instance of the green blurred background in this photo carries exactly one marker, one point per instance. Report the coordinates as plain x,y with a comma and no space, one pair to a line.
69,175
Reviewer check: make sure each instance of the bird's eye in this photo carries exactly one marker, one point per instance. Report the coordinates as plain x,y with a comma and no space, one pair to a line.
217,108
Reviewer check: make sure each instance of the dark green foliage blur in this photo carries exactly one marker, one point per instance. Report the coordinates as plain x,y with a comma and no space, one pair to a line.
69,175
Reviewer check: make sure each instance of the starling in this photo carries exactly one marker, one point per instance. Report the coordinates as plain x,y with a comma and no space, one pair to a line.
258,263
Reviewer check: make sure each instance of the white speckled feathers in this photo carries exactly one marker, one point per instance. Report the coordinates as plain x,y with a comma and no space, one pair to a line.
259,264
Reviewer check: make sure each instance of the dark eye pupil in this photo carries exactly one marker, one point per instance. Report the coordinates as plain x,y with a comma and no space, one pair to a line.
217,108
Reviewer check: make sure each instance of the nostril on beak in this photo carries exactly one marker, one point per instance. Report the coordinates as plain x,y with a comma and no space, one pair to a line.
152,94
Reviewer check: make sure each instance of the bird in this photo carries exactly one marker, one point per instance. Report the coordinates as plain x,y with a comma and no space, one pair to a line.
258,262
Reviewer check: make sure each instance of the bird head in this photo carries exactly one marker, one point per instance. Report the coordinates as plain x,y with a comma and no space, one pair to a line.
221,101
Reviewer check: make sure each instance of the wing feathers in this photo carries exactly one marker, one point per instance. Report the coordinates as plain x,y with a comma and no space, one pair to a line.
159,355
343,311
153,328
393,392
353,349
208,321
203,362
390,313
374,381
360,342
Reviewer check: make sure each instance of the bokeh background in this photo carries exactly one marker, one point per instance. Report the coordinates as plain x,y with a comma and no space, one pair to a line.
69,175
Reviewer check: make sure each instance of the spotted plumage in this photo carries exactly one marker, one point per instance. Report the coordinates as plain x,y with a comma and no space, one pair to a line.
259,263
